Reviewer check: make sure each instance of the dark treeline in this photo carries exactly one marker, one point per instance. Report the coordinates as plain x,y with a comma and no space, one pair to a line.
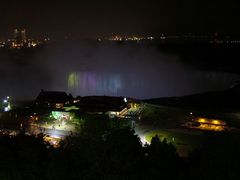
103,151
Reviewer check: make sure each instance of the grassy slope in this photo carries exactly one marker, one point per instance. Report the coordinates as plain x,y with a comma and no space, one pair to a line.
169,117
163,116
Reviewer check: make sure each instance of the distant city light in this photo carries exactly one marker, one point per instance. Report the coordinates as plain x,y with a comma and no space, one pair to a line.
20,40
129,38
6,104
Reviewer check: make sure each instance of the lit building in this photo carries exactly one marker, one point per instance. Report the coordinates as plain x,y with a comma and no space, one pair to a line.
2,44
20,38
23,36
16,34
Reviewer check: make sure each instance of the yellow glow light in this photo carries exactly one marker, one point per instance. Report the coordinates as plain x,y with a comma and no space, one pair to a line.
215,122
202,120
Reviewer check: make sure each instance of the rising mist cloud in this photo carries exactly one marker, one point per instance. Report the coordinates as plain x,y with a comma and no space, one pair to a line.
91,68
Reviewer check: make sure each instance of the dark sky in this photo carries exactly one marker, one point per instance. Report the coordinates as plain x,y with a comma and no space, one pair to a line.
92,18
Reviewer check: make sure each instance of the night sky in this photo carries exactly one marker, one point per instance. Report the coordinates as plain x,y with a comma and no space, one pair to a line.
94,18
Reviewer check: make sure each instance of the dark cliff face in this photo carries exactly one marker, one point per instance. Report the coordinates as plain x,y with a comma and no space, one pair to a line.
228,99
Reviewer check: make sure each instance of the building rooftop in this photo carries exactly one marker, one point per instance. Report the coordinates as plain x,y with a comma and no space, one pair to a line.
53,97
101,103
